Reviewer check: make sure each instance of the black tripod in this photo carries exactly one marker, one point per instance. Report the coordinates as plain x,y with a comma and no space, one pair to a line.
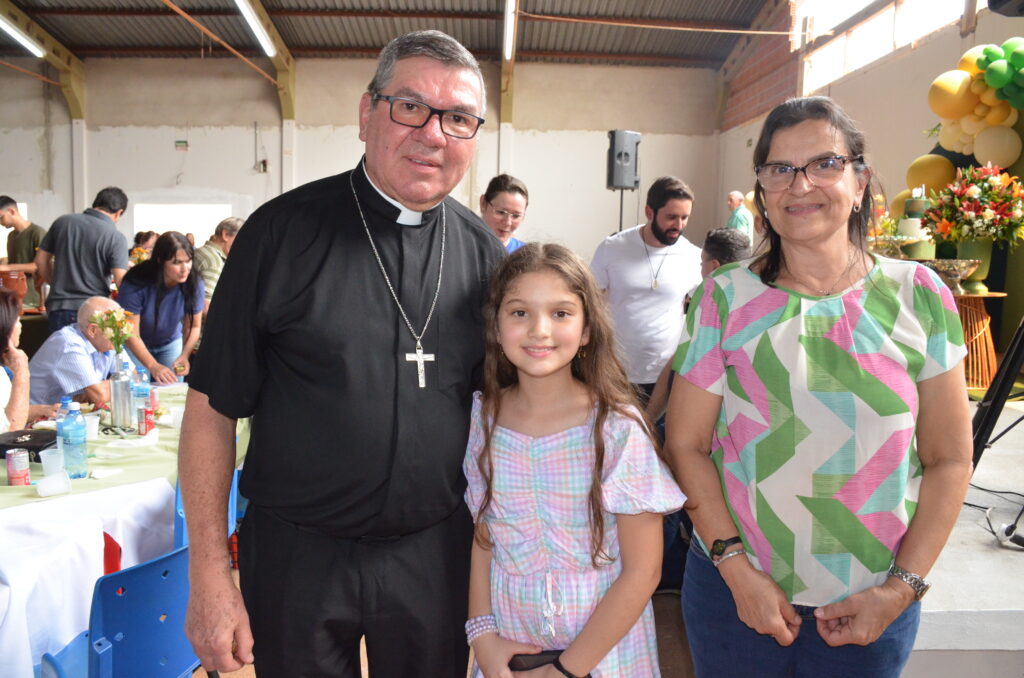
991,405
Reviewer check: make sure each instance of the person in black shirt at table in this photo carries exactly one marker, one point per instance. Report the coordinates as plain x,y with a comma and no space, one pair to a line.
347,324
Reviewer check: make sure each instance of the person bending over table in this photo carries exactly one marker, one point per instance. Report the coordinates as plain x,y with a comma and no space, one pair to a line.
166,296
75,360
15,411
818,424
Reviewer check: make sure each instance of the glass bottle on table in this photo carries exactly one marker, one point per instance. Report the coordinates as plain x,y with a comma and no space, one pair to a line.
76,460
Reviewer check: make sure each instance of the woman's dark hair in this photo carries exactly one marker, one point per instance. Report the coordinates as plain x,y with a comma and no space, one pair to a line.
151,271
10,310
792,113
505,183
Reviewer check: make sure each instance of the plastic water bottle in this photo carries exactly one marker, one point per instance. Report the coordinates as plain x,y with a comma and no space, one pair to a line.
62,412
140,389
76,460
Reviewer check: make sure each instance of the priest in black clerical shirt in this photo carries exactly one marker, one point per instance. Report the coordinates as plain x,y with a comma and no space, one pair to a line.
347,323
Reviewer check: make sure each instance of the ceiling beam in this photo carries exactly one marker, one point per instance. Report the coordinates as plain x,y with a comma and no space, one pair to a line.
283,62
70,69
374,52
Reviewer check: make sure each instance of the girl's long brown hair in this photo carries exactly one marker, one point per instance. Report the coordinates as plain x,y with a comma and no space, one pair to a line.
598,368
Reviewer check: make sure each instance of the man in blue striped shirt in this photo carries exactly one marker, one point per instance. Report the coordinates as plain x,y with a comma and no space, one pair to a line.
76,360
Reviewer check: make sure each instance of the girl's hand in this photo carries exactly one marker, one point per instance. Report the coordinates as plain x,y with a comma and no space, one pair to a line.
863,617
180,366
494,652
546,671
760,602
162,374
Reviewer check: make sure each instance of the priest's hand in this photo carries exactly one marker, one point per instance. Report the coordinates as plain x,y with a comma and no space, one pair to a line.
216,622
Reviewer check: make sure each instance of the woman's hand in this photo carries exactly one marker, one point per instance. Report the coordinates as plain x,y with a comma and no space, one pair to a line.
180,365
163,374
494,652
863,617
760,603
16,359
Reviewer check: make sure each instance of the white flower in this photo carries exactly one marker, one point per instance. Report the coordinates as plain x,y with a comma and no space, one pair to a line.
1017,214
972,191
994,181
988,215
968,215
108,332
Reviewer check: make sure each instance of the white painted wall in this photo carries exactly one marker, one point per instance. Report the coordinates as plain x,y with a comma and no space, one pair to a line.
138,108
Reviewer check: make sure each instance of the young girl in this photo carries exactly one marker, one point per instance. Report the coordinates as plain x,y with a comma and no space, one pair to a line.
564,483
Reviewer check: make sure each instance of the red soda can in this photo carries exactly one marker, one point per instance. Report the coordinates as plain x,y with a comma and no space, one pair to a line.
140,419
17,467
150,420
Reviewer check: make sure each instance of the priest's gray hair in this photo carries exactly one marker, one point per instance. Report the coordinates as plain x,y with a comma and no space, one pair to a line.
432,44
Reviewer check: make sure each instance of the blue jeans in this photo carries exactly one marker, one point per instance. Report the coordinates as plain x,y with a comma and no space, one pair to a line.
57,320
164,355
722,645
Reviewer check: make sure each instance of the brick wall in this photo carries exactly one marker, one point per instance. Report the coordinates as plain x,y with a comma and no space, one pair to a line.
767,77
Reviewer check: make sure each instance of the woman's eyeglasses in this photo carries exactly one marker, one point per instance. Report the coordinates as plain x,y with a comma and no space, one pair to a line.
823,172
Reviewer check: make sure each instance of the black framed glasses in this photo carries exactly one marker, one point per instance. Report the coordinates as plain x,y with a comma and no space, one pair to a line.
412,113
505,214
822,172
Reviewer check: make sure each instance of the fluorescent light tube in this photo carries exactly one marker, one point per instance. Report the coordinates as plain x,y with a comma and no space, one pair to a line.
256,27
25,41
507,42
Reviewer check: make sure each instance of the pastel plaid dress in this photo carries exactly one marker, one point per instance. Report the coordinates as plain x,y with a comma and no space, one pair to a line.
544,586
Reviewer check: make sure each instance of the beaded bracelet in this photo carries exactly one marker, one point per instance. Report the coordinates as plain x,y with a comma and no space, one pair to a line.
479,626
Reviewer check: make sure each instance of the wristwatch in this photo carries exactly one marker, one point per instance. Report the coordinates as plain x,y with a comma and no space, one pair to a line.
719,545
914,581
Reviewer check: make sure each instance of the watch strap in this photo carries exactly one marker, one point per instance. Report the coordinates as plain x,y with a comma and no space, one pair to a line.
719,545
914,581
564,671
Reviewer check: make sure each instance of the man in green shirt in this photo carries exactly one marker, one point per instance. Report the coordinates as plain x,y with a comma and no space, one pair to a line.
740,217
22,243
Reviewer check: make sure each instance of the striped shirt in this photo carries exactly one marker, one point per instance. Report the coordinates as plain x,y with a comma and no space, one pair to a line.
209,262
65,364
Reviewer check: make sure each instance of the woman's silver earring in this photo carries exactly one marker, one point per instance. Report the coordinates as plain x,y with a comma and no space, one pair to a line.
856,208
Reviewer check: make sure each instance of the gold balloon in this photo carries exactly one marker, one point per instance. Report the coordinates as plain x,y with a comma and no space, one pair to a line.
997,145
989,98
896,206
981,110
950,134
969,61
997,115
1011,119
933,171
950,95
748,202
972,124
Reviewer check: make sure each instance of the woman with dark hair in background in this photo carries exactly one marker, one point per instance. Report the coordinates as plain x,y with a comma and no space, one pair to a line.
503,208
14,379
166,296
819,425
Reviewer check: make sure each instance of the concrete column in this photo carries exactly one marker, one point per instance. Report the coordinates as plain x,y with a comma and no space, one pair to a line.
506,157
288,179
78,166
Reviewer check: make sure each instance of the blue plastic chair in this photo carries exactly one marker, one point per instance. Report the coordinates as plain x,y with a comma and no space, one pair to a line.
136,626
180,529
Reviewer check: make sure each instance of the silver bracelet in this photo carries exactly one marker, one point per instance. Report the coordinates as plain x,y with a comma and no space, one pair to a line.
479,626
730,554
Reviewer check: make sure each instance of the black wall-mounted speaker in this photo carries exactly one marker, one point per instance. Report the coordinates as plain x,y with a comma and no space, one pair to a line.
1007,7
623,163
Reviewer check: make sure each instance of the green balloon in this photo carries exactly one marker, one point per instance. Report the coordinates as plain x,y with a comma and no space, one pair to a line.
1018,78
1001,95
1012,90
1017,57
1017,101
993,53
1010,45
998,73
982,63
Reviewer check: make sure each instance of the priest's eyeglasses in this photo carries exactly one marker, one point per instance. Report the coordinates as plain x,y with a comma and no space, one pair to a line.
822,172
412,113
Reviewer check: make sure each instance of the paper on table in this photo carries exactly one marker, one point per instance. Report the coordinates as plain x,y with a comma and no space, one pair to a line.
151,438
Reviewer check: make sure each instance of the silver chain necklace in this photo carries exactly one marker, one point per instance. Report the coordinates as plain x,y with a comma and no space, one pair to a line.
419,357
825,293
654,275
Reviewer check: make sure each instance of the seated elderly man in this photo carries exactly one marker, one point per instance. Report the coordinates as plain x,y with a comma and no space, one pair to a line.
76,360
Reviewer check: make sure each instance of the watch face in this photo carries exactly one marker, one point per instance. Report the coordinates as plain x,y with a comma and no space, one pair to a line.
719,546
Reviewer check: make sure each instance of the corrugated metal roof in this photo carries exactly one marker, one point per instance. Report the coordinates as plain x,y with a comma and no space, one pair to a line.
361,27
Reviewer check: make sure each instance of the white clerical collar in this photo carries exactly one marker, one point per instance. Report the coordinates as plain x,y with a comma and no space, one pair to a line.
406,217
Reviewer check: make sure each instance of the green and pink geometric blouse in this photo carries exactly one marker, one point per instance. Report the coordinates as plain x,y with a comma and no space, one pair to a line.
815,443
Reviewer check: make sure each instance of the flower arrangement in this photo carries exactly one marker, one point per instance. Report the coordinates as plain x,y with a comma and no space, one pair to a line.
116,325
138,255
982,202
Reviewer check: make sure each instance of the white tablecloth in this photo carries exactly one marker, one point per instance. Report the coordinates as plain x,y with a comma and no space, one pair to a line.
51,554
